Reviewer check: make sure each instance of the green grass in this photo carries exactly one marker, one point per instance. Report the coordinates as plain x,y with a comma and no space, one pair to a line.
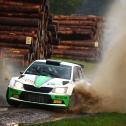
103,119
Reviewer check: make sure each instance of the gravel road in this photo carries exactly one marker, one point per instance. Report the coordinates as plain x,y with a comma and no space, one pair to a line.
23,114
9,116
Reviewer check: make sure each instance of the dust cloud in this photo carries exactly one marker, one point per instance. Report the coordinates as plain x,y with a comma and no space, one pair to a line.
108,89
8,68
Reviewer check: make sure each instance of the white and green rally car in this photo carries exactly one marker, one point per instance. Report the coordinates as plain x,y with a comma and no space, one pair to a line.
45,82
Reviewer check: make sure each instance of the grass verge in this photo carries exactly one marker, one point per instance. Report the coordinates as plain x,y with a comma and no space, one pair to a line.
102,119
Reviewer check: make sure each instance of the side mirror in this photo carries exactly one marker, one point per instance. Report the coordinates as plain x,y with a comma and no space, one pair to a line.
21,72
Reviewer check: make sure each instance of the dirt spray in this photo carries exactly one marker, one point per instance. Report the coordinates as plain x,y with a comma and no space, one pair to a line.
8,68
108,88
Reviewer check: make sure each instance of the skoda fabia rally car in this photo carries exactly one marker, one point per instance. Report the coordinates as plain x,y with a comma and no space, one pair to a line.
45,82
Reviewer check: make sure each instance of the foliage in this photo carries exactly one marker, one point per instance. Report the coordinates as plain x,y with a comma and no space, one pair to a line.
64,6
82,7
95,7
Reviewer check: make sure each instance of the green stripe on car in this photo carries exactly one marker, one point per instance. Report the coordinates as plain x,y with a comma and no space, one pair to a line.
40,80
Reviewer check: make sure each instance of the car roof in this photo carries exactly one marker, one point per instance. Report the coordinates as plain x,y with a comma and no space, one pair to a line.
58,61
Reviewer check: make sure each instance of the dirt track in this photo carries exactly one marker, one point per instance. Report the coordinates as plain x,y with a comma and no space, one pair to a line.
23,115
27,114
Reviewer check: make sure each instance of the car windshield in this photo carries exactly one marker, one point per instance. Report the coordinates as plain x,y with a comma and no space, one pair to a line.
43,69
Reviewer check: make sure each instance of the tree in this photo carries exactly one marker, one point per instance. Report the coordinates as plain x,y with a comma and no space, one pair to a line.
65,7
94,7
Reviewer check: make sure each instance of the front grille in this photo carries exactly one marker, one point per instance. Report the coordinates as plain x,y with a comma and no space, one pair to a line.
39,98
34,89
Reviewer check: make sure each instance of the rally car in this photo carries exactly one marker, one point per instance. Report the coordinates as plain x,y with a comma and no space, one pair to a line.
45,82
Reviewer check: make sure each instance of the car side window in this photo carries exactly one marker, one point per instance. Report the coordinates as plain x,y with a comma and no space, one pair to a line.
77,75
81,74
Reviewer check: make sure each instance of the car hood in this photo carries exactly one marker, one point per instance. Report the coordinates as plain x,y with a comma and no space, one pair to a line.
42,81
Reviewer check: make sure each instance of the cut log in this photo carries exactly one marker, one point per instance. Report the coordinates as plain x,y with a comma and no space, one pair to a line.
62,17
14,39
13,45
19,21
19,7
17,33
68,48
18,28
79,23
22,15
80,43
30,1
75,53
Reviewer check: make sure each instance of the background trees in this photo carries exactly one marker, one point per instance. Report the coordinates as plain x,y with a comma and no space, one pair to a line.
64,6
83,7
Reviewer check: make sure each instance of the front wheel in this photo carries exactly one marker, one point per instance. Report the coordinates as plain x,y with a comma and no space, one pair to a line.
73,102
76,102
11,102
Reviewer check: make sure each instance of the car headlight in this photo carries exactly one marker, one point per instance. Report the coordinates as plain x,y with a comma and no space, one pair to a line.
18,85
60,90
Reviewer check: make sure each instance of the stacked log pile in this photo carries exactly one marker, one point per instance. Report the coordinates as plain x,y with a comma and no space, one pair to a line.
79,37
23,28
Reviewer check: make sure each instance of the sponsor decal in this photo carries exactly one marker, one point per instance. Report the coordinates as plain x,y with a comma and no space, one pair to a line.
29,81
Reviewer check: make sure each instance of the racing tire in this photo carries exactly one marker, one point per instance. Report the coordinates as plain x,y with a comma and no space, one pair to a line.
11,102
73,102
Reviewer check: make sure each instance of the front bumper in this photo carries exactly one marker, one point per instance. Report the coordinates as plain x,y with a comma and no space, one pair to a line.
38,98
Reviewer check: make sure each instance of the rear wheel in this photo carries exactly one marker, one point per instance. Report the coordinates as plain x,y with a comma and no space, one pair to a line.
11,102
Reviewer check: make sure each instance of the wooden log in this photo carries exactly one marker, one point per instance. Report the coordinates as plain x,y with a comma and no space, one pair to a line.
18,28
15,51
75,37
13,39
31,34
19,21
79,23
23,15
80,43
62,17
74,27
30,1
68,48
19,7
75,53
19,56
13,45
78,31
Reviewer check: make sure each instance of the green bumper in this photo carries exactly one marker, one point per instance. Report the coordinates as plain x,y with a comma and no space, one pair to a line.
38,98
